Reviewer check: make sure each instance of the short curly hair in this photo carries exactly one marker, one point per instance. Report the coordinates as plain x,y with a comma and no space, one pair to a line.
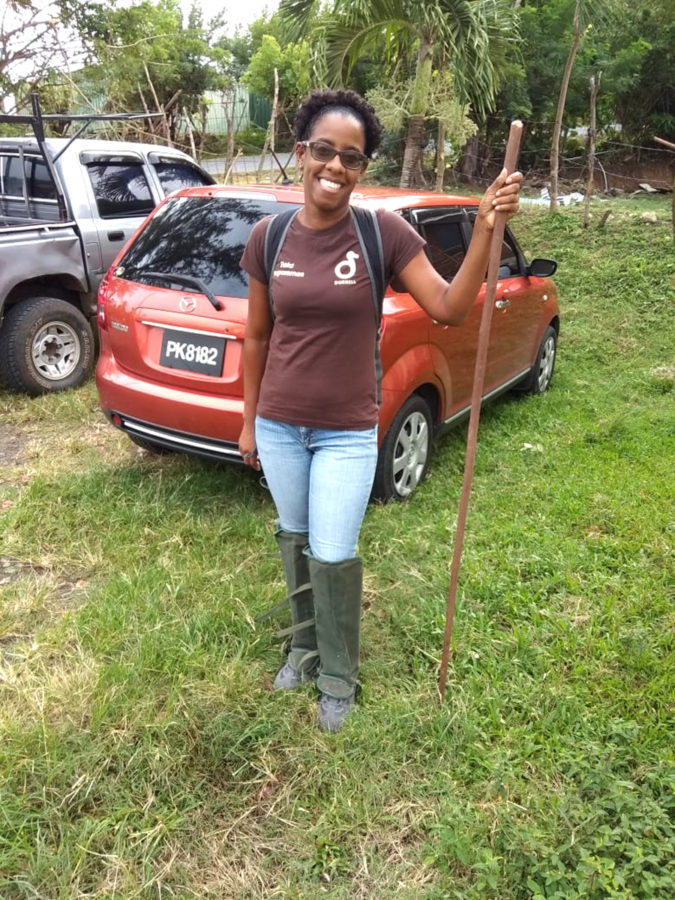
319,103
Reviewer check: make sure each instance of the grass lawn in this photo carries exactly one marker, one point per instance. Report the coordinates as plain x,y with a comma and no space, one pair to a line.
142,752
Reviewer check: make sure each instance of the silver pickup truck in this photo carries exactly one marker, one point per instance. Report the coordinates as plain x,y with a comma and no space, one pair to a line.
62,222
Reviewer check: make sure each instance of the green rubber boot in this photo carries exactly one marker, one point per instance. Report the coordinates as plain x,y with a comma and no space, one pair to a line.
302,658
337,603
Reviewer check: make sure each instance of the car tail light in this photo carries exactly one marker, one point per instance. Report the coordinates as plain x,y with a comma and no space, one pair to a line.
102,308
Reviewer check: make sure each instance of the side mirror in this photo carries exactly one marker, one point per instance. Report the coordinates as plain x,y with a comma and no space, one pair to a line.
542,268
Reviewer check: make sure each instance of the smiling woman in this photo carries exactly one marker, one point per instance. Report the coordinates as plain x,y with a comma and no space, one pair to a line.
312,376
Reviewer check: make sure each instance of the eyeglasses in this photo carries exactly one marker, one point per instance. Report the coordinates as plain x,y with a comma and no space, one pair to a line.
350,159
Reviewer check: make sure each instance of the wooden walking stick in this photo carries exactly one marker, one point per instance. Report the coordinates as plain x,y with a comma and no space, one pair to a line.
510,161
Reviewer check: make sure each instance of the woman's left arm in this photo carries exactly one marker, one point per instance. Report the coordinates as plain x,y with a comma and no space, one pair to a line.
451,303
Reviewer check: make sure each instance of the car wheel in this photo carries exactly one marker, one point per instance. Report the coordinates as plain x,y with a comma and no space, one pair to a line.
539,378
46,345
405,452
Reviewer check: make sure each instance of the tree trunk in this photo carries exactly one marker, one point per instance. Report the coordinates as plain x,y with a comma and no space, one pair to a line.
229,100
275,110
594,84
672,173
555,146
188,127
468,162
160,108
411,173
440,157
269,137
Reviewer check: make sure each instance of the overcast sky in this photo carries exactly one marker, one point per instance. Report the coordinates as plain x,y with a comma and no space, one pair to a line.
67,54
236,12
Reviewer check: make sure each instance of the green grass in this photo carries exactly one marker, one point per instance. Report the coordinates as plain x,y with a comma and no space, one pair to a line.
142,752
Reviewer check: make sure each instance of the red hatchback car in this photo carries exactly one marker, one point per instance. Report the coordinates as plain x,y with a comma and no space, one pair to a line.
172,311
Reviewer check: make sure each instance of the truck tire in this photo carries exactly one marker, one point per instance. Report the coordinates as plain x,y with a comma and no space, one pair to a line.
46,345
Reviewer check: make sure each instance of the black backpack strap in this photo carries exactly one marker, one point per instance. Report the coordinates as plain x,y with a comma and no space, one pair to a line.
370,238
274,240
368,232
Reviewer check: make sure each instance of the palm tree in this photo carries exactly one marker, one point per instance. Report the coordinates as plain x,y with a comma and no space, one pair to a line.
457,30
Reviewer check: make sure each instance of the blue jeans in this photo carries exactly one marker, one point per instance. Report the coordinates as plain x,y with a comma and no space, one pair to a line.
320,481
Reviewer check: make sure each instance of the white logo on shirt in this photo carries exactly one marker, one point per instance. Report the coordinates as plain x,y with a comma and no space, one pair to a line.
286,268
346,269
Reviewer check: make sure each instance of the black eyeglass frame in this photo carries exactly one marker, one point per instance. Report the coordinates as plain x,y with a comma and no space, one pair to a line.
361,157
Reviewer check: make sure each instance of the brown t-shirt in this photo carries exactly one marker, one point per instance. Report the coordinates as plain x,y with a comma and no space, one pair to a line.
320,369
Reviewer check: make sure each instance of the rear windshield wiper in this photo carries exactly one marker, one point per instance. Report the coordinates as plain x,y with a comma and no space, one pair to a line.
186,280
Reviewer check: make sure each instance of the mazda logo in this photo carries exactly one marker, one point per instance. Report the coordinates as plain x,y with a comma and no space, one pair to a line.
187,304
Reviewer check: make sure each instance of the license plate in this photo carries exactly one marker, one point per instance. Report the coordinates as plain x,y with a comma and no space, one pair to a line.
193,352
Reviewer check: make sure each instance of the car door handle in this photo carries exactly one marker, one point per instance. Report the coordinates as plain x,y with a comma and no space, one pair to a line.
502,304
115,235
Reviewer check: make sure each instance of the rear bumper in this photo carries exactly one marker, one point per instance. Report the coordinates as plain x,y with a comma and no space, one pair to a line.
182,442
204,424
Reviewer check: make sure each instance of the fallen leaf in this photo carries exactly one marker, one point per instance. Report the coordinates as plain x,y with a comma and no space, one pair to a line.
269,789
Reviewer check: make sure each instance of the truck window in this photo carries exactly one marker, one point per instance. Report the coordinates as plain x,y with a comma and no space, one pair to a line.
120,188
12,180
40,201
40,185
445,247
38,181
175,174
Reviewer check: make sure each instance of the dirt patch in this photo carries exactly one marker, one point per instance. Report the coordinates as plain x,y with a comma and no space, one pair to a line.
13,444
62,592
11,569
38,603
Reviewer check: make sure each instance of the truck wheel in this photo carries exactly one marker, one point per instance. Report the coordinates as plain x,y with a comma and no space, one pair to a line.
405,452
46,345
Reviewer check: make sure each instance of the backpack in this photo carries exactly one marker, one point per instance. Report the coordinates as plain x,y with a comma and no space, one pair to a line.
370,240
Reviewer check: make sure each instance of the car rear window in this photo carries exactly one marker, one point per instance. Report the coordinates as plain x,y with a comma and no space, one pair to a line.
203,237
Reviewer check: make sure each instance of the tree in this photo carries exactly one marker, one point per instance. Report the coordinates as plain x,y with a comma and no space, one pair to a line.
280,75
33,41
292,65
392,104
145,55
577,30
458,31
639,70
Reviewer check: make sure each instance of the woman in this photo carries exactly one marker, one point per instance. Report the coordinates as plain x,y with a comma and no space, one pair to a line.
310,384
